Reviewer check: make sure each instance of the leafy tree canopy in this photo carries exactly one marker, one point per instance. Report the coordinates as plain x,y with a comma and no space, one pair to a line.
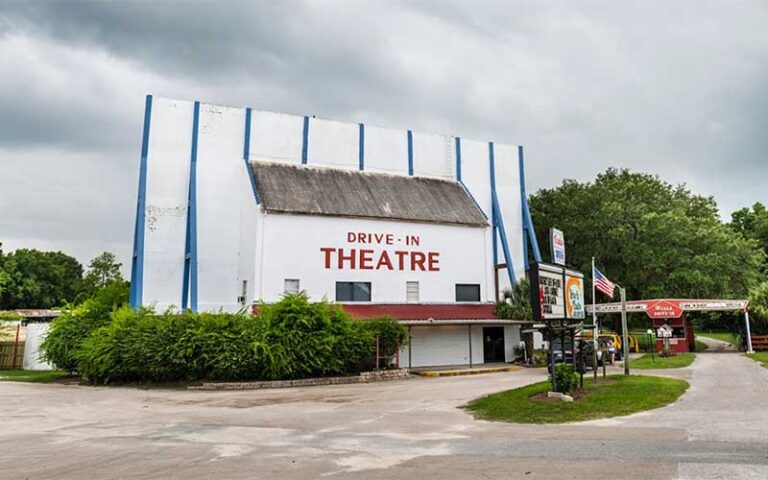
30,278
656,239
102,270
752,223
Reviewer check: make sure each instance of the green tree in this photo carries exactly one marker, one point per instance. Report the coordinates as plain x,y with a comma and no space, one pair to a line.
515,303
752,223
35,279
758,307
656,239
102,270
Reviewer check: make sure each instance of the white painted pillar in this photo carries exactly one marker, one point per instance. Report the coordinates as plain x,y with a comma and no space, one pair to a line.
749,335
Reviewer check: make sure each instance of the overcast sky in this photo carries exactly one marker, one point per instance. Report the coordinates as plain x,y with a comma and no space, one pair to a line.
677,88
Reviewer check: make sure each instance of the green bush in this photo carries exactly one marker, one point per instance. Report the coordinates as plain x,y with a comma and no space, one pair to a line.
565,378
293,338
76,324
392,335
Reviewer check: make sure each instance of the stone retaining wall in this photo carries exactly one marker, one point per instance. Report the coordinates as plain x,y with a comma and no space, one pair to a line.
365,377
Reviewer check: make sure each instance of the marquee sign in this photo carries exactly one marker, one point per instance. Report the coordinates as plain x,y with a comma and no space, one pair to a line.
556,293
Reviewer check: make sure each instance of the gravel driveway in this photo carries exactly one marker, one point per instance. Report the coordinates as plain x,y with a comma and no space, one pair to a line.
399,430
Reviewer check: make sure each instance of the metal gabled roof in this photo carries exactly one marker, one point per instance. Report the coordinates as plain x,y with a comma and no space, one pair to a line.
308,190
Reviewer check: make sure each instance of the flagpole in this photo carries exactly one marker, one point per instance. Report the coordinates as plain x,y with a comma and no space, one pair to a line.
595,330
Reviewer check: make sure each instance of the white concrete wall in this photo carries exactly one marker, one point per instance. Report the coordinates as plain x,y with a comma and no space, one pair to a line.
221,188
510,202
167,194
229,225
36,333
292,243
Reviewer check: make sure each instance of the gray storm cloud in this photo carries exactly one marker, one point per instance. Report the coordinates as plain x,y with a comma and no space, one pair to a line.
677,90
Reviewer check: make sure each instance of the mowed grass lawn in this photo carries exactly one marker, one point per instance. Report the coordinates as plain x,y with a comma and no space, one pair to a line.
723,336
648,362
33,376
761,357
616,396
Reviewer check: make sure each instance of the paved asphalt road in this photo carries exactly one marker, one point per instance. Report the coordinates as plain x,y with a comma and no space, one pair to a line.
399,430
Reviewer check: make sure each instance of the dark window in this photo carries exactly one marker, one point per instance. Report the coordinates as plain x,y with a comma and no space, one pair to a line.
353,291
467,292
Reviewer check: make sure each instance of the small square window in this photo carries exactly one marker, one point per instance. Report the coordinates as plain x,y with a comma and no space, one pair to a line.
412,291
353,291
467,292
291,286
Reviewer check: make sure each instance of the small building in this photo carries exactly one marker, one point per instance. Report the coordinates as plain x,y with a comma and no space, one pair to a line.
238,206
20,347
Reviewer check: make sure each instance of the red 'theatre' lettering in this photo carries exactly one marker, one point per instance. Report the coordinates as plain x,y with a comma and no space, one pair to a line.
417,260
400,254
368,259
327,251
384,260
433,261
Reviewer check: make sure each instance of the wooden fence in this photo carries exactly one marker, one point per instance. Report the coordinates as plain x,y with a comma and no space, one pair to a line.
759,342
11,355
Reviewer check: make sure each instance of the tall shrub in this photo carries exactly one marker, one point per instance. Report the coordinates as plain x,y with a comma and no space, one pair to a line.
69,331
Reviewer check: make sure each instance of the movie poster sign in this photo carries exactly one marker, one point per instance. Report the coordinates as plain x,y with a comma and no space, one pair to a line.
574,295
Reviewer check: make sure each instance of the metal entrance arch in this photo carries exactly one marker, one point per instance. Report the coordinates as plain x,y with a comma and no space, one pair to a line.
675,308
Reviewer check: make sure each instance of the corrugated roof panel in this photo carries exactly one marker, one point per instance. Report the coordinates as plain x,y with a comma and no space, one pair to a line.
333,192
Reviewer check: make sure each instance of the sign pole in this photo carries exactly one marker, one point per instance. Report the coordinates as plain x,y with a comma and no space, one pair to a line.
624,332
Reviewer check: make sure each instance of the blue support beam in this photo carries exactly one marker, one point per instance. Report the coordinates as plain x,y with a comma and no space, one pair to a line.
137,259
247,155
410,153
189,287
305,142
527,220
497,222
361,147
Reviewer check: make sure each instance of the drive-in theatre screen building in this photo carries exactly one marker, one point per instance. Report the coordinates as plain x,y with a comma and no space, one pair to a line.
238,206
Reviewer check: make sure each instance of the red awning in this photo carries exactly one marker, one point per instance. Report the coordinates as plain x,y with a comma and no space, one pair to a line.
422,311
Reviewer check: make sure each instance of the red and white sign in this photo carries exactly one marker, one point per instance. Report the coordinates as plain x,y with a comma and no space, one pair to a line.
664,309
381,251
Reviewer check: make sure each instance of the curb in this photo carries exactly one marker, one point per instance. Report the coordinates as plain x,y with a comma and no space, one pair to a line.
456,373
364,377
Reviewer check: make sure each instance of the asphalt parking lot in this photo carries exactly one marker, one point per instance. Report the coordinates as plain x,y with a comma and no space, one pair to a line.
396,430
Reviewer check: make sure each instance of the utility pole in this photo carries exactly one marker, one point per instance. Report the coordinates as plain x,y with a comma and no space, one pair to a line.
624,332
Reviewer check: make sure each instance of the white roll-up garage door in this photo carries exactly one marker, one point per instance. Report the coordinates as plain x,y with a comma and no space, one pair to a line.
434,346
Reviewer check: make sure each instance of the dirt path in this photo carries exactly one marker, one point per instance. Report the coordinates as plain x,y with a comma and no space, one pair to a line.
715,345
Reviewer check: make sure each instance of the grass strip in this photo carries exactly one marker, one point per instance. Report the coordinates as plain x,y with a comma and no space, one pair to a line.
761,357
648,362
616,396
33,376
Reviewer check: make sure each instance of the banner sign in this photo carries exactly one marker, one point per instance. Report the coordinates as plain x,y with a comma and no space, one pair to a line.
574,294
671,308
557,246
664,309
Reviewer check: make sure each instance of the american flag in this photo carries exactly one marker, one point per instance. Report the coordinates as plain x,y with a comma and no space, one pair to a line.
602,283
